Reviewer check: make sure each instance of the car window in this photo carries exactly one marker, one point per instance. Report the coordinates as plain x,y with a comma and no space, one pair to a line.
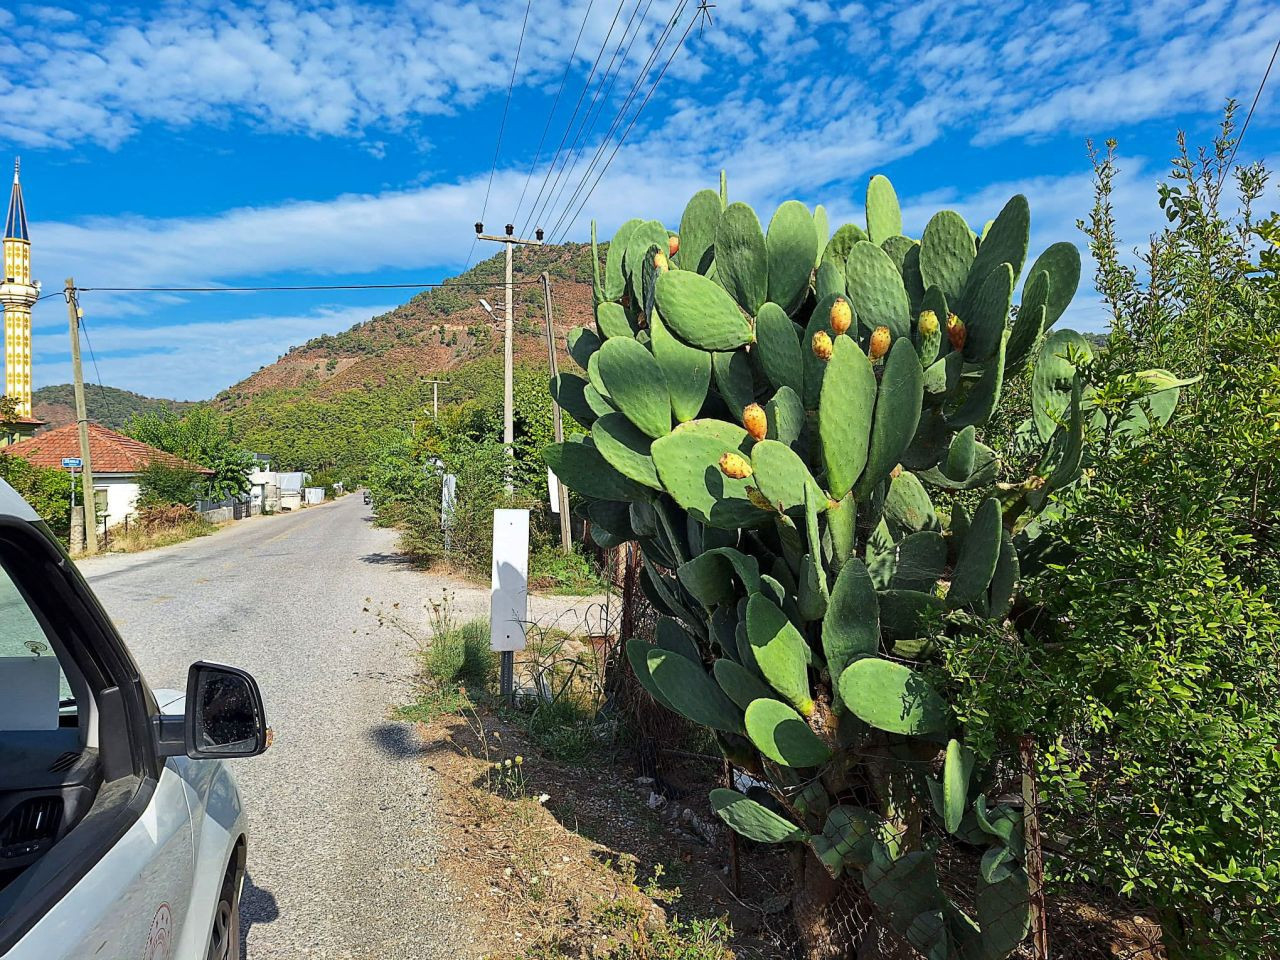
34,692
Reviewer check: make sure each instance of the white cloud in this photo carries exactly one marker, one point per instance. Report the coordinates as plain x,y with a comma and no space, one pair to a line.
360,69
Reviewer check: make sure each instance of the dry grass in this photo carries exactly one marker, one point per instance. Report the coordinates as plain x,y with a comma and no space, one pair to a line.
140,538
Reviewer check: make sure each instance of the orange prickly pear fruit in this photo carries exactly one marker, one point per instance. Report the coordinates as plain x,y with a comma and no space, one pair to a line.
660,262
822,345
841,316
880,340
754,419
673,245
735,466
928,323
955,331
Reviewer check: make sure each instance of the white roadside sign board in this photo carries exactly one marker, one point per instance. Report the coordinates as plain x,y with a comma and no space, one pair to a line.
553,490
509,586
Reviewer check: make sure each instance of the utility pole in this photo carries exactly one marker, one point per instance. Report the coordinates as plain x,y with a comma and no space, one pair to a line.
508,421
435,397
557,424
74,313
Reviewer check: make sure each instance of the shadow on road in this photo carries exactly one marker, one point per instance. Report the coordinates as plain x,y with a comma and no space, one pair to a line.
386,559
256,906
396,740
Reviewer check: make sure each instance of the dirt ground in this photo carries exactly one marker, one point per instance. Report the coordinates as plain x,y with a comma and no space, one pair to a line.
592,862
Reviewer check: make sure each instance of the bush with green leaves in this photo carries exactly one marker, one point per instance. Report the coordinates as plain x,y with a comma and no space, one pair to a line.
46,489
202,437
789,422
1156,687
161,485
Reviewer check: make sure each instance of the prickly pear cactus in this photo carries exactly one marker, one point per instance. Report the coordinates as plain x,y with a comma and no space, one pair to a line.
790,427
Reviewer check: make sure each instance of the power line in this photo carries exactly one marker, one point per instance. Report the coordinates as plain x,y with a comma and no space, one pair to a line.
636,117
534,213
479,284
497,147
1249,116
622,110
554,106
102,391
589,123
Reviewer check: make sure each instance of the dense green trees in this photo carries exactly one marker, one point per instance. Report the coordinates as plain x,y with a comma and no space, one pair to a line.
199,436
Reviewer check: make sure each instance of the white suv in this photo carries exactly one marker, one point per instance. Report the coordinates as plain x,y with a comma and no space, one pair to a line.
122,833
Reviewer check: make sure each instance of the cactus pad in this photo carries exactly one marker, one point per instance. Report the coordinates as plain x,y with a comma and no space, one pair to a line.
699,312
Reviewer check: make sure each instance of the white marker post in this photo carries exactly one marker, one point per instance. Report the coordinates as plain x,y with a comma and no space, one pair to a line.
509,590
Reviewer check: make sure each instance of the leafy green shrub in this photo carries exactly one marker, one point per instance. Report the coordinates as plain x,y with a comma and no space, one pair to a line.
573,574
162,485
1169,786
46,489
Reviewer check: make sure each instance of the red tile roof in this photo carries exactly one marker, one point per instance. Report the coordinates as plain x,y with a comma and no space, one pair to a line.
111,452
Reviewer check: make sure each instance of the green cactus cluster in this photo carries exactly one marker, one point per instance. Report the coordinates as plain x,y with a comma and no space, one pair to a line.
803,575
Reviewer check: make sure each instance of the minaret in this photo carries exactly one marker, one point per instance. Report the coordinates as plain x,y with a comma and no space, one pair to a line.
17,294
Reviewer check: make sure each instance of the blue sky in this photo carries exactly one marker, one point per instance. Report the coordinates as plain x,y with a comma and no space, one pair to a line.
289,142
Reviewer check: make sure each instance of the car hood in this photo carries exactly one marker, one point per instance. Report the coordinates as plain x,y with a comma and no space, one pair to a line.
172,703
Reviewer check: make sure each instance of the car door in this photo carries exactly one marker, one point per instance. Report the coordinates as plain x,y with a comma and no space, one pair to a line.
135,900
118,883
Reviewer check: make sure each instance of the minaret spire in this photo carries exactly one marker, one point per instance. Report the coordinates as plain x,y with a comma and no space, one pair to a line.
17,295
15,223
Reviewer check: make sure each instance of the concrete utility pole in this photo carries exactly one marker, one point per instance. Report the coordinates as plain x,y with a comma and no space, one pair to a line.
435,397
508,422
74,313
557,423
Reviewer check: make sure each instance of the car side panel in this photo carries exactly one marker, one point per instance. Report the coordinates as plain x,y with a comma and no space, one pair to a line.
218,821
134,901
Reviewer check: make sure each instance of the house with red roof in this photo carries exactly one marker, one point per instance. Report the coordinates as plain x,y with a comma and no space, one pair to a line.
117,463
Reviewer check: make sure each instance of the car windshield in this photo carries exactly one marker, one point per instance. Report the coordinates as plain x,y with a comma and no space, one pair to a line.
34,692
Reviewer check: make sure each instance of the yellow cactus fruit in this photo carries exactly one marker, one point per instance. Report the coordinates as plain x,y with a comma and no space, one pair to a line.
822,345
841,316
673,245
660,262
734,466
955,331
880,340
754,419
928,323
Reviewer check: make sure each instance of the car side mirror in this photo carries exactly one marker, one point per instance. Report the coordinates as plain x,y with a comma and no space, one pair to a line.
224,714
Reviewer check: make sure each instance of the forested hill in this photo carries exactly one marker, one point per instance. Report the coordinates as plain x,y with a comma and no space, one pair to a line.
109,406
435,330
333,403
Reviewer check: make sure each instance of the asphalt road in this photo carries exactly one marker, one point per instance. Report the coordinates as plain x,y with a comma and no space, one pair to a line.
342,843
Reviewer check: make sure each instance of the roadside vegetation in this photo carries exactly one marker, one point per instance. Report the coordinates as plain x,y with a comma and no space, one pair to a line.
407,476
547,828
158,526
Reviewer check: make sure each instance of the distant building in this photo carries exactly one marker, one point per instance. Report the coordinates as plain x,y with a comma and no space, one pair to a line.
117,462
17,295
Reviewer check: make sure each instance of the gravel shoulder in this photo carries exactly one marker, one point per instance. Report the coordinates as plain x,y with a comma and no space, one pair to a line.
344,840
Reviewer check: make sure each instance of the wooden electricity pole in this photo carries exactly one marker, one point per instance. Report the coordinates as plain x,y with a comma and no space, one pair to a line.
557,424
508,389
90,544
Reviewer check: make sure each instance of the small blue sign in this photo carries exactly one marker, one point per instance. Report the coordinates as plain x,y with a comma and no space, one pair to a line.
73,463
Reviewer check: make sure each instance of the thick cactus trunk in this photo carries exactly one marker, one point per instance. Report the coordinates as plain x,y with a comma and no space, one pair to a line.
836,921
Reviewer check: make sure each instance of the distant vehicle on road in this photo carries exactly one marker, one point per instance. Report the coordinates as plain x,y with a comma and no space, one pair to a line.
122,832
